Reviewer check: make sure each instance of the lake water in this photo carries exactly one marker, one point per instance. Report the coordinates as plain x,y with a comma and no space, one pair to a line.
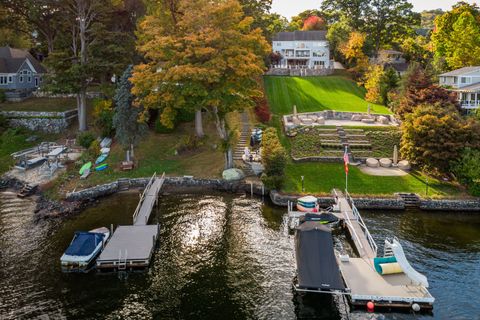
219,257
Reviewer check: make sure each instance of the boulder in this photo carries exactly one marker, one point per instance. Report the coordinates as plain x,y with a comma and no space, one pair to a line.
296,121
233,174
314,118
385,162
321,120
372,163
368,120
404,165
383,120
357,117
307,121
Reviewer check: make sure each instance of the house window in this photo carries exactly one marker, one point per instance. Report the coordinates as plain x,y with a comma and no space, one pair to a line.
455,80
319,63
20,79
29,79
318,54
10,79
279,44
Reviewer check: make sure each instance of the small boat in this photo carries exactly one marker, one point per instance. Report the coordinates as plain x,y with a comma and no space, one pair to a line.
101,167
323,218
106,143
86,166
105,150
85,174
307,204
101,158
84,249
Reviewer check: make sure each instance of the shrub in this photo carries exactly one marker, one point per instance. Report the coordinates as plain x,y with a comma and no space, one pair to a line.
467,170
94,149
273,158
103,117
85,139
185,116
262,110
188,143
3,123
3,96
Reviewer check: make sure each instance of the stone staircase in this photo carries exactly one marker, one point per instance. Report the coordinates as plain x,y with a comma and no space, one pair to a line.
244,139
123,184
411,200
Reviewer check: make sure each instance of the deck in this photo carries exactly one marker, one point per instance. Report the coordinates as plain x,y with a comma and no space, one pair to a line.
132,247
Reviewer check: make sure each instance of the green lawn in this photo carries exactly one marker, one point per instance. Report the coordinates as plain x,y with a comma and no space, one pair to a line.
321,178
40,104
316,94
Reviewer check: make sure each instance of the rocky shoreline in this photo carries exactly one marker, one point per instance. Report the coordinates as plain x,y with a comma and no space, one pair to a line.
76,202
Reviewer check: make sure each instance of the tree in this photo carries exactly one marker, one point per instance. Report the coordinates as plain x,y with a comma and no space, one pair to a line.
389,20
126,122
416,49
467,170
418,89
434,135
428,18
273,158
353,9
352,50
373,84
314,23
389,83
298,21
338,33
211,61
456,36
91,50
259,10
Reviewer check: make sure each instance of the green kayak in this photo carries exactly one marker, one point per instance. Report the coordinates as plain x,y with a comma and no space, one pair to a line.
86,166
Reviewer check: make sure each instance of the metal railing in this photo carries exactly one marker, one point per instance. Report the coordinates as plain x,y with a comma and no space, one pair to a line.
362,224
142,198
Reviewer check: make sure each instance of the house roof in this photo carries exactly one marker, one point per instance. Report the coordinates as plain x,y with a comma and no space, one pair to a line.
12,59
301,36
471,88
399,67
460,71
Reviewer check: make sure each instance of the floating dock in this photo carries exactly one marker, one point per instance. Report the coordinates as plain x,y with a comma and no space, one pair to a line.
132,247
363,284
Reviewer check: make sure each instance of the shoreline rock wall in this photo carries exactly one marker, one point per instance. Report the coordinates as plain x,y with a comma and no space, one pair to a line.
49,122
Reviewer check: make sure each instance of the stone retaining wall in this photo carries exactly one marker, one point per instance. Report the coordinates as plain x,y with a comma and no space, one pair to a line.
450,205
171,184
43,94
50,122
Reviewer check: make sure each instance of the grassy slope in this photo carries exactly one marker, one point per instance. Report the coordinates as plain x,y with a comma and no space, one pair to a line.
321,178
40,104
316,94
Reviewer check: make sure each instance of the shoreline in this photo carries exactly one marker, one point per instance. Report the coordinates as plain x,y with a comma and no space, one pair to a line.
75,202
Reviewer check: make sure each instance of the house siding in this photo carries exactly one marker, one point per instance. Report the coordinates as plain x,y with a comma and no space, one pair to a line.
311,51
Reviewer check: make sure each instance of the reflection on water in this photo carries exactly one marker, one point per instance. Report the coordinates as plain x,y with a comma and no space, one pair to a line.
219,256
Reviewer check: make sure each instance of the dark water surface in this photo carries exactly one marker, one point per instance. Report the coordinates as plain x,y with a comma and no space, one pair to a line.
219,257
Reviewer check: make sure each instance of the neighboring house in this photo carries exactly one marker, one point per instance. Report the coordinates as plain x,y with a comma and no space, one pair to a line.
305,49
393,59
19,71
466,83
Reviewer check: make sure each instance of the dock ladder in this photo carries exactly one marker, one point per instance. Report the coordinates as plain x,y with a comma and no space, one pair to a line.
122,261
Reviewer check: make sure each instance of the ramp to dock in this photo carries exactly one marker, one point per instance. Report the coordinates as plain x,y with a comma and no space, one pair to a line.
148,200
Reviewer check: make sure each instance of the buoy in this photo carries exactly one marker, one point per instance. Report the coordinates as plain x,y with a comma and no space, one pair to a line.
415,307
370,306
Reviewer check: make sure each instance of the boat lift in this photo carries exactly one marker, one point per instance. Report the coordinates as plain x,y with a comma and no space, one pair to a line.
363,283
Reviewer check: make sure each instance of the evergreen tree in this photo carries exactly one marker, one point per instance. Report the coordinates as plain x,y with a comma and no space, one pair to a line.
126,118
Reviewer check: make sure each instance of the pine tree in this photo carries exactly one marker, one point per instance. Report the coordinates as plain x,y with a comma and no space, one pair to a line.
126,119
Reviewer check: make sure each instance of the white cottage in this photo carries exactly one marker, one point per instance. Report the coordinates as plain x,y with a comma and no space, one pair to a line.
466,83
307,49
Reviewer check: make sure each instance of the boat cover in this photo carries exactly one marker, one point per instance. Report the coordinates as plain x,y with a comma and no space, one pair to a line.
323,217
84,243
317,267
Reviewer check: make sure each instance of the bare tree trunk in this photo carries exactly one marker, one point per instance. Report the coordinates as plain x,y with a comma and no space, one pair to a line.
82,117
199,124
222,132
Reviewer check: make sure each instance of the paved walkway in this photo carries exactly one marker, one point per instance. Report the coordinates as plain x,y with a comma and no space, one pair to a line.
385,172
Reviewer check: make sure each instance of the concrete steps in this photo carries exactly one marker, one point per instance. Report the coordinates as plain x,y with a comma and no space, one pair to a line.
411,200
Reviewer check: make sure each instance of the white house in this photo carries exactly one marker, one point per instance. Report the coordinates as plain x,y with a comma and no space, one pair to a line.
466,83
306,49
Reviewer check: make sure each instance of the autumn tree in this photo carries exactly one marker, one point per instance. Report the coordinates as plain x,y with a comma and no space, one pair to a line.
298,22
338,33
273,158
210,59
434,136
417,89
373,84
353,52
455,37
259,10
314,23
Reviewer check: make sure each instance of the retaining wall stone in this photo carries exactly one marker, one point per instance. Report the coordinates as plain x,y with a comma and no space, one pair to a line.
450,205
50,122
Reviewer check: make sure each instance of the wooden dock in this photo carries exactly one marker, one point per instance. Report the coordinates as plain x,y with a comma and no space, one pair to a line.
363,282
132,247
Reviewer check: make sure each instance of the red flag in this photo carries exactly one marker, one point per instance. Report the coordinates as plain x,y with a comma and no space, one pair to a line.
345,160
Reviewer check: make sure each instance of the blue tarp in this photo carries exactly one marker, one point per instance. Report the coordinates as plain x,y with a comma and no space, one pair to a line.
84,243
